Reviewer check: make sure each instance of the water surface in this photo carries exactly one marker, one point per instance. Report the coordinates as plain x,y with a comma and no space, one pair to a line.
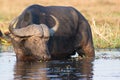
106,66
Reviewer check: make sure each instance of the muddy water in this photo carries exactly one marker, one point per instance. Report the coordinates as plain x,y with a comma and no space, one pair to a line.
106,66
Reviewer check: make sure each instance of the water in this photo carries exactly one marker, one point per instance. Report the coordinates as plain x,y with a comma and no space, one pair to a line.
106,66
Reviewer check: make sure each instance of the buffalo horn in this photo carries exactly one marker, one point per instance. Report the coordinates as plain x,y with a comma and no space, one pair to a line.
30,30
54,28
45,29
12,24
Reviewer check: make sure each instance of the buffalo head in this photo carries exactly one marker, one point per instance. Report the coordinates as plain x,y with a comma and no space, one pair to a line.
30,42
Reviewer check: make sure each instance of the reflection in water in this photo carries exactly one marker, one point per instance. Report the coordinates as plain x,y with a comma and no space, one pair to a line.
30,71
106,66
54,70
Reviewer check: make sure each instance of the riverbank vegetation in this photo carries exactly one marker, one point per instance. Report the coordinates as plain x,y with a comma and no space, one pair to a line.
103,16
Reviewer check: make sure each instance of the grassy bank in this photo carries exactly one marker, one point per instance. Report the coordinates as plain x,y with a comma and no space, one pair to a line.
103,16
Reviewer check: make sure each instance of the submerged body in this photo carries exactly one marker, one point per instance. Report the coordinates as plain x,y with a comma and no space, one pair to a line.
64,31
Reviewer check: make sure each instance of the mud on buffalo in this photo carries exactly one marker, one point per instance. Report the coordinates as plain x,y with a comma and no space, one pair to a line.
50,32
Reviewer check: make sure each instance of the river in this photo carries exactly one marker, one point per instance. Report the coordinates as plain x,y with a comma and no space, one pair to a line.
106,66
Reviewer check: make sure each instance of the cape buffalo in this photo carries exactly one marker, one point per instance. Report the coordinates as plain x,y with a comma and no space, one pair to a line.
50,32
